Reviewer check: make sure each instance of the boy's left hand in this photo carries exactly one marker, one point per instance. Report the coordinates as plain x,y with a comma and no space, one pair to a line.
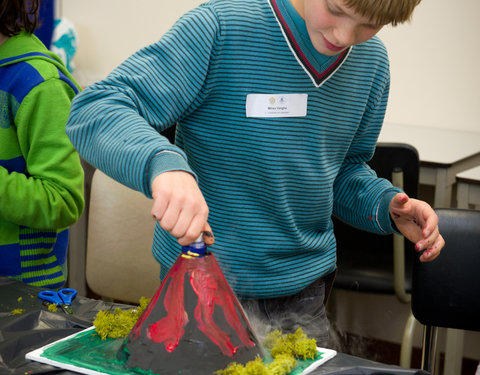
418,222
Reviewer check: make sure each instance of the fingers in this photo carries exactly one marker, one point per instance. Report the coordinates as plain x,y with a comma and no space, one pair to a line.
400,199
418,222
430,220
179,206
432,241
208,237
434,251
401,206
159,207
429,241
185,220
185,232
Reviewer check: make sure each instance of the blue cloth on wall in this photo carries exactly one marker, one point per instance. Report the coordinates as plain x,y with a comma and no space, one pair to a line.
64,42
46,17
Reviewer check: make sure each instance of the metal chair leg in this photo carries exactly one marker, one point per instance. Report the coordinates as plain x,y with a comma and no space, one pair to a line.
453,351
429,350
407,342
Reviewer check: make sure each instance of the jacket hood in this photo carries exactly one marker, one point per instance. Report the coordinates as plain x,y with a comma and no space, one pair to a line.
27,47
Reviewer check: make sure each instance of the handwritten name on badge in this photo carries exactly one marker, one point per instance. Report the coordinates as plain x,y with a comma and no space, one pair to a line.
276,105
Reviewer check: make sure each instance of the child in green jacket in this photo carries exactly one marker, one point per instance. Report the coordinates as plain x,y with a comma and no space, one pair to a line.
41,178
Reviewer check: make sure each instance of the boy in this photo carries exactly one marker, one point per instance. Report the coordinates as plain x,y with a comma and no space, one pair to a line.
41,178
278,106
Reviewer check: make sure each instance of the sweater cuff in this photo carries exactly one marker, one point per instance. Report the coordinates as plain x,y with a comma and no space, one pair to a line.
166,161
384,219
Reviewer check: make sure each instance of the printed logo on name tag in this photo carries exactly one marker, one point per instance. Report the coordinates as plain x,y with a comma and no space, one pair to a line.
276,105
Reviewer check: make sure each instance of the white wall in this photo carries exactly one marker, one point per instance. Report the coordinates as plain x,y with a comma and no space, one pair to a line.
434,66
434,59
111,30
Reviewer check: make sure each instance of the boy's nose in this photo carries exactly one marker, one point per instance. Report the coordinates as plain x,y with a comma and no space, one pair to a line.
344,36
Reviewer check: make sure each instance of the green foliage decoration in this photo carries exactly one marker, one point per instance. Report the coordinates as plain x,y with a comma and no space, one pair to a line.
285,349
118,323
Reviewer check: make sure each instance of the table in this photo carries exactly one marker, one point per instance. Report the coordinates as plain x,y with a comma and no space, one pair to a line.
443,154
468,188
36,327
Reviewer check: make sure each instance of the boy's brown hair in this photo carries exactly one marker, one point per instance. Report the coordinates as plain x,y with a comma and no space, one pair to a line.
384,12
18,15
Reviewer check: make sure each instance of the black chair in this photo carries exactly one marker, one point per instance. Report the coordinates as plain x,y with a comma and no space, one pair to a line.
373,263
446,291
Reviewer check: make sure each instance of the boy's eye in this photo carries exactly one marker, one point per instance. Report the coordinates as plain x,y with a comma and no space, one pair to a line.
373,27
332,9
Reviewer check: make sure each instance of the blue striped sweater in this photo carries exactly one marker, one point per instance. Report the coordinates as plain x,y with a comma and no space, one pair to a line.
271,184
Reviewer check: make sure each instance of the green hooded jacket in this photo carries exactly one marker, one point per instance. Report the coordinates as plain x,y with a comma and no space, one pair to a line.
41,178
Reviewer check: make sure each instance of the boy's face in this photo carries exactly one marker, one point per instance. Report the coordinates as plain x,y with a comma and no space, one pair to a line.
332,26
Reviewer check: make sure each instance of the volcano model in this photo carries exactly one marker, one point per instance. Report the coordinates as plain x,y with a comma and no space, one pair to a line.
194,323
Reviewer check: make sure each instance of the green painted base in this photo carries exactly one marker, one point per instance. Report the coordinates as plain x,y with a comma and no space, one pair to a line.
87,353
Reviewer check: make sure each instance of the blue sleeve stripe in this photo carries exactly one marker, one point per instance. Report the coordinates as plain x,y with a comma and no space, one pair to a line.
10,256
25,56
64,78
17,164
39,234
18,79
45,280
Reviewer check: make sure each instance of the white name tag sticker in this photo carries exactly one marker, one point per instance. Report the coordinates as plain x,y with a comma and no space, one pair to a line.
276,105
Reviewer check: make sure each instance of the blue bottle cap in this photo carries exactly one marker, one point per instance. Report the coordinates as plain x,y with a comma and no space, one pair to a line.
195,249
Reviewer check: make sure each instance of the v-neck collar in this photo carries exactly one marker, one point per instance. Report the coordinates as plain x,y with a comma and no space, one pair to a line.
319,67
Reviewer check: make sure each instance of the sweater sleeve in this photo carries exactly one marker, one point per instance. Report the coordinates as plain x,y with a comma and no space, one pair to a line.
50,195
360,198
116,123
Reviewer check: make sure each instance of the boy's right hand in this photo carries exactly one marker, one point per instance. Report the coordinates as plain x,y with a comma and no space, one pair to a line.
179,206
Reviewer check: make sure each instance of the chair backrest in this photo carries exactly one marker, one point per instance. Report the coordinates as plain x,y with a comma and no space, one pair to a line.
129,233
446,291
119,262
365,260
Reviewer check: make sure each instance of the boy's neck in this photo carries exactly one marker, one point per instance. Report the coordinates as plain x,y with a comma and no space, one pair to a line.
3,38
298,5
